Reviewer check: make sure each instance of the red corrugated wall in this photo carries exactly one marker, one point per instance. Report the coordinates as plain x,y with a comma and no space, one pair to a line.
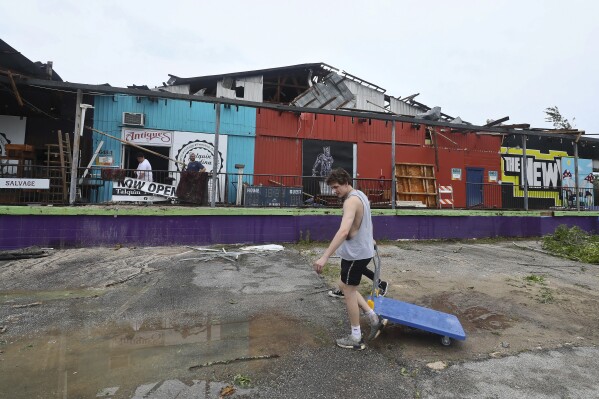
279,138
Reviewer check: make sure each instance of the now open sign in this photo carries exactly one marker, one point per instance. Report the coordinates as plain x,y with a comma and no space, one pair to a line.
159,189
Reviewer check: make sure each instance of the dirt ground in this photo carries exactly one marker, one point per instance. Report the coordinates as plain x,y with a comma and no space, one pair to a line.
510,296
124,321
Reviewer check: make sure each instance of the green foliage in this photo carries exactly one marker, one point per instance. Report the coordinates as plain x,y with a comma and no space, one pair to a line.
533,278
242,381
545,295
573,243
556,118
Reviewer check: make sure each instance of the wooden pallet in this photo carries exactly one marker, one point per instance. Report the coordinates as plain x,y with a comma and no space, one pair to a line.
416,182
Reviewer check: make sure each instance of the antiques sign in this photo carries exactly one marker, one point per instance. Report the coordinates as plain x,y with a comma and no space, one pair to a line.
148,137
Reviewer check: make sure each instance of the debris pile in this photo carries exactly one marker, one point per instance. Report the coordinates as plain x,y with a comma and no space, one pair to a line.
232,256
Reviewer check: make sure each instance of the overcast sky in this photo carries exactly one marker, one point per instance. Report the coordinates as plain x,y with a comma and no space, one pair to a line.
475,59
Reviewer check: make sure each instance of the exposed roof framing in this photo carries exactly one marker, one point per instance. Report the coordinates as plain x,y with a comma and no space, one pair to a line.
281,85
15,62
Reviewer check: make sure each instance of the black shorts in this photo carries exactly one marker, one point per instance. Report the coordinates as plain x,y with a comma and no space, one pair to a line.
352,270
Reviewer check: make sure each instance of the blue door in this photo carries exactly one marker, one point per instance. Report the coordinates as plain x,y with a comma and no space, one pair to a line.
474,186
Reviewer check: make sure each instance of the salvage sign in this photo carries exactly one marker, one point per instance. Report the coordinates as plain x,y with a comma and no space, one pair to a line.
140,190
32,184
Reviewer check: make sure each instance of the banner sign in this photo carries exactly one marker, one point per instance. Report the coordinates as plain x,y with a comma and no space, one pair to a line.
136,190
32,184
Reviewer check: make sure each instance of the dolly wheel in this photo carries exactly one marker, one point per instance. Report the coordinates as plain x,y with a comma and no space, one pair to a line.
445,341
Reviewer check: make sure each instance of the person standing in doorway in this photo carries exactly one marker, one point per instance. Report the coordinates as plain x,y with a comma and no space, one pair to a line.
193,165
144,169
353,243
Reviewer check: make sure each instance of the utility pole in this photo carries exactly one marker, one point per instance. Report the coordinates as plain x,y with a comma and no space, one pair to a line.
76,140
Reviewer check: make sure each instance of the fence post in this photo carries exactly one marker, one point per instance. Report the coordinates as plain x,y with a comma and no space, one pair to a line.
576,187
393,164
215,158
525,171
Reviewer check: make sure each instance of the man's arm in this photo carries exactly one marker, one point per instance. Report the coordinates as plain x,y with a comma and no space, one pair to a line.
350,208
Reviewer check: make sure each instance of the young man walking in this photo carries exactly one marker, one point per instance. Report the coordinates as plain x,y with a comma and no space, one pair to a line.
353,243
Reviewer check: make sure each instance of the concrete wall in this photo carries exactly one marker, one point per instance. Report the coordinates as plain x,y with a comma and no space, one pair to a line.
61,231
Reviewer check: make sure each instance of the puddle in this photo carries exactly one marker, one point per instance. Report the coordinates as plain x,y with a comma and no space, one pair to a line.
128,355
18,297
474,317
485,319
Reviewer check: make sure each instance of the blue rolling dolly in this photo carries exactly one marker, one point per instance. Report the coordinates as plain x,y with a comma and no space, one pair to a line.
446,325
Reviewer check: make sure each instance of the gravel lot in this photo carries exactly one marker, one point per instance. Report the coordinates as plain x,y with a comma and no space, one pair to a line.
165,322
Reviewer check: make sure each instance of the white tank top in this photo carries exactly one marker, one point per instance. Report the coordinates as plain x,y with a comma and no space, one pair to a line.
360,246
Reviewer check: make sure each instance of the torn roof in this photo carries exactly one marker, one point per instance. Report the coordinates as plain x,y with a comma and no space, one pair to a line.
305,85
15,62
280,85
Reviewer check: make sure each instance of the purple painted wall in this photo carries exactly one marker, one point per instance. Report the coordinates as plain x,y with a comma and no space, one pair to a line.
80,231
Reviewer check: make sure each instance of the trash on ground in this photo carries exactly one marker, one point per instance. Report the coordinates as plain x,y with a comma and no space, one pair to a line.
268,247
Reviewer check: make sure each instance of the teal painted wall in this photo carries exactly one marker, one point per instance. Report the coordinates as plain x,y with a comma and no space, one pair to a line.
240,151
238,123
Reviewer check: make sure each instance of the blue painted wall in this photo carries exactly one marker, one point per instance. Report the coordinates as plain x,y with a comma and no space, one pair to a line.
238,123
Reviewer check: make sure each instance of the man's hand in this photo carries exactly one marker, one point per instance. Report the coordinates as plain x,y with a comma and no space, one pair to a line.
319,264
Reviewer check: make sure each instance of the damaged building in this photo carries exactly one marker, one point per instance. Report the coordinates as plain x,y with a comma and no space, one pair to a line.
286,127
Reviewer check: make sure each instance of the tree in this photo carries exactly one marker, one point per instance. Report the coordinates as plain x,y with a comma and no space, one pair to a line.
556,118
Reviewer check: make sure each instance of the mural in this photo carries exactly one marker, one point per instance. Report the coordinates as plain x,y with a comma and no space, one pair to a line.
543,174
319,158
550,178
202,145
585,181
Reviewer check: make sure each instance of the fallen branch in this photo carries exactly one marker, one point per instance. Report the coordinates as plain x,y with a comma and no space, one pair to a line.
238,359
533,249
547,266
29,305
26,253
125,279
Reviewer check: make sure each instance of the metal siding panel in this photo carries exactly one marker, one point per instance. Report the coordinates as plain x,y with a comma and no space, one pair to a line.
180,115
239,121
364,94
253,88
400,107
273,123
240,150
278,155
107,118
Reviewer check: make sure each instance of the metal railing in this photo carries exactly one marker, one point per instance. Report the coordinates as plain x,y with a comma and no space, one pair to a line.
509,196
104,185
